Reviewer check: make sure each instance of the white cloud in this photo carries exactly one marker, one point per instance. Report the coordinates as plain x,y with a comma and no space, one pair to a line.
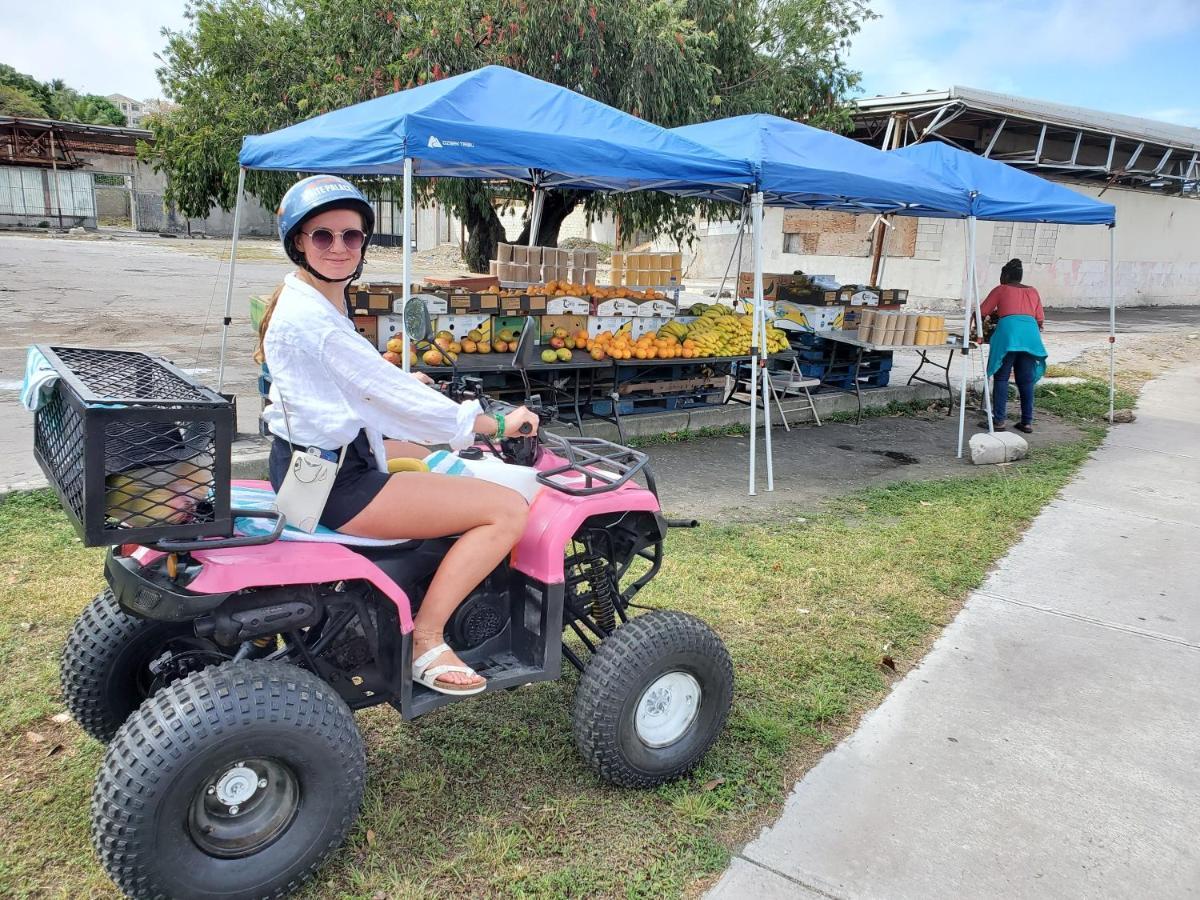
917,45
99,48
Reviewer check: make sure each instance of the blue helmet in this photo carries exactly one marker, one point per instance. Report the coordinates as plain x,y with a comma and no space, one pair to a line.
315,194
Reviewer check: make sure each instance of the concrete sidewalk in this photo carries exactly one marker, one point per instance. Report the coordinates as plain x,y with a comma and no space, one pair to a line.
1049,744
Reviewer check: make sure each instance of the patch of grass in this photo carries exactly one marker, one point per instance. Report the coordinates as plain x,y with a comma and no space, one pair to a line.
1084,402
488,797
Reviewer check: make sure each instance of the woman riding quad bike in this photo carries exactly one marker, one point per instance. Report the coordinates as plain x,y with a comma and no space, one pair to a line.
222,672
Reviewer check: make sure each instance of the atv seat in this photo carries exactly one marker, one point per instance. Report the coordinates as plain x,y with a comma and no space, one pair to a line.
259,495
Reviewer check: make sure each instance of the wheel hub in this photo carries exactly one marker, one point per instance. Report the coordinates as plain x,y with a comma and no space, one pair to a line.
237,785
667,708
244,808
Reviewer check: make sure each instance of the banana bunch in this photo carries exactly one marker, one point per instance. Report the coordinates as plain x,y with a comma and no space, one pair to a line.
674,329
729,334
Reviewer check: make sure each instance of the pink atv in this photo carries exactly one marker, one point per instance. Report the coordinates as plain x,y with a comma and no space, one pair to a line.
223,673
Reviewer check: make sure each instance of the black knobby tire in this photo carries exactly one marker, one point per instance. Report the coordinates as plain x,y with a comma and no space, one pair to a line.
103,669
625,665
161,766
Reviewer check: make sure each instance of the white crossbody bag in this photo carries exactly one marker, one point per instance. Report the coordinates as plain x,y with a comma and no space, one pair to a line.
306,486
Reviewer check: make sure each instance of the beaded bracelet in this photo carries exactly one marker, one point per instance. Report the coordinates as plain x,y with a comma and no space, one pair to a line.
499,424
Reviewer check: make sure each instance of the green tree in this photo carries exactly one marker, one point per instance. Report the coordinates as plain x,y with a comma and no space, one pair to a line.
56,100
26,84
251,66
15,102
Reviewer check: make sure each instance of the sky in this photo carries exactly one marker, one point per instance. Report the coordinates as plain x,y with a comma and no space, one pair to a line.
1126,56
1135,57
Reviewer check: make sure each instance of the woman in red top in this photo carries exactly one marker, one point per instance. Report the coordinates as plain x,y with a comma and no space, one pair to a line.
1015,350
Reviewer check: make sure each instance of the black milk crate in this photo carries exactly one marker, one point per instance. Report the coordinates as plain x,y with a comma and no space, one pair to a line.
138,451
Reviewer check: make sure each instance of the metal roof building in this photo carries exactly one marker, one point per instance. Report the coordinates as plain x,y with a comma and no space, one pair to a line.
1050,138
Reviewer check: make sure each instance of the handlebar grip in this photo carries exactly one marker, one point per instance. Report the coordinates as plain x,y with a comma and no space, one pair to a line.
526,428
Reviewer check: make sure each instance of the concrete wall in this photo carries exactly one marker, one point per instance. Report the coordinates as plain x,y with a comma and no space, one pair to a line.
1158,254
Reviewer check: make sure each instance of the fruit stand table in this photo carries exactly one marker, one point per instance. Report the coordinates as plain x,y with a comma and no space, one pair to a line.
638,385
855,373
564,380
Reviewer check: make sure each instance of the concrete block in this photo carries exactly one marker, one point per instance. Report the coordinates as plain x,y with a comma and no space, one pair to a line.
1003,446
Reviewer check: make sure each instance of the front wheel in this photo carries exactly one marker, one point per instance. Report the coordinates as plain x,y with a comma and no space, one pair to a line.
235,782
653,699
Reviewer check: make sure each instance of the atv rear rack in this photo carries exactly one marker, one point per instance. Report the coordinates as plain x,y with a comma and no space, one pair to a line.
602,465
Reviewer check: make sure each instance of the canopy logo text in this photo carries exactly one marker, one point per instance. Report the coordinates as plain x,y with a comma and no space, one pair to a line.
439,144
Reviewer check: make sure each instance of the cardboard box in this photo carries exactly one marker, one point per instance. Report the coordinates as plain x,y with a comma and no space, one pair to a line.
504,253
372,301
618,306
647,325
509,323
368,327
459,326
572,325
435,305
567,306
772,282
803,317
864,297
533,256
597,324
520,255
386,328
663,309
809,296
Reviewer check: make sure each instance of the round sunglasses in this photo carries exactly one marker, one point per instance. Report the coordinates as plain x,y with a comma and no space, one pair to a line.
322,238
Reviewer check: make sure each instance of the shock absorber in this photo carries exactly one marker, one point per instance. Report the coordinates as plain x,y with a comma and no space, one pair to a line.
603,606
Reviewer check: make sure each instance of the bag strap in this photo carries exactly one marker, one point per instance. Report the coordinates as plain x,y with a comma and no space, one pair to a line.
288,422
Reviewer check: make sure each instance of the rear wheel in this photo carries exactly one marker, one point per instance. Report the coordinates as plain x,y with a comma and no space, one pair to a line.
653,699
236,782
112,661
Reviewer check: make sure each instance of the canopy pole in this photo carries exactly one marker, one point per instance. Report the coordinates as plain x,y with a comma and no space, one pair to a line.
535,214
760,315
406,290
756,204
987,384
1112,321
237,222
967,303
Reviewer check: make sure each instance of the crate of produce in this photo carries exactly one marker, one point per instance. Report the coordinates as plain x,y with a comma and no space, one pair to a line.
137,450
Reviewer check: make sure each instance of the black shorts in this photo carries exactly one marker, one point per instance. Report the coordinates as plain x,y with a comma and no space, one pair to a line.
358,481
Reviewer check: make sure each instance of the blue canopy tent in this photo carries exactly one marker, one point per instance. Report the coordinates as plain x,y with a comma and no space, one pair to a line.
1002,193
490,123
799,166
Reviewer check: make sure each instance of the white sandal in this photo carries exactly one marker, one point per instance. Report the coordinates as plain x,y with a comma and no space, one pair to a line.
424,673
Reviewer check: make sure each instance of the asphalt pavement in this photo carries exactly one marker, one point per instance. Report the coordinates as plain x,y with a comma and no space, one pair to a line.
1047,745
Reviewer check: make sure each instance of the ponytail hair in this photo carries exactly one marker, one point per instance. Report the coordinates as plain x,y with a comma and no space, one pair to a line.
260,355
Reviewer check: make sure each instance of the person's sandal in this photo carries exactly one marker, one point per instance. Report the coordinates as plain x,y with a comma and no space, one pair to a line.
996,426
424,672
1024,428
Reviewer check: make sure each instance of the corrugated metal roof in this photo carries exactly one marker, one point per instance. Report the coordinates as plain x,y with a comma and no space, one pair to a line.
108,132
1132,127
